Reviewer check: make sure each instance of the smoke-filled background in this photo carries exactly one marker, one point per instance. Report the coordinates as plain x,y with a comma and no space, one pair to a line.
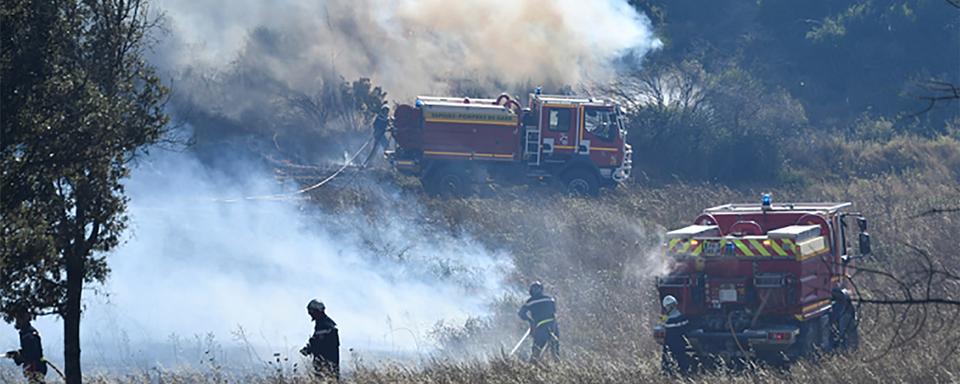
198,264
409,47
303,76
205,278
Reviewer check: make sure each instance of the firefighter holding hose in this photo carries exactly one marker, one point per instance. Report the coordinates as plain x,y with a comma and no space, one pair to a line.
30,354
541,311
380,125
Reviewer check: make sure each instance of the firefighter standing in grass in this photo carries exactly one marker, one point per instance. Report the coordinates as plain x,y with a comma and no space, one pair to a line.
324,344
30,354
540,311
380,125
675,340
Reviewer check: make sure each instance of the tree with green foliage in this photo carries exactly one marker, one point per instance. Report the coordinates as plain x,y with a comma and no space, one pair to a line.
79,101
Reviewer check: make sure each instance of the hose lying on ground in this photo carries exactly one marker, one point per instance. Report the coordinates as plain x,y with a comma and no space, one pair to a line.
305,189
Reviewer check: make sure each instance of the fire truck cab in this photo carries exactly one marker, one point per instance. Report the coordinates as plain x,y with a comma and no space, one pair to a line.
766,281
566,133
452,143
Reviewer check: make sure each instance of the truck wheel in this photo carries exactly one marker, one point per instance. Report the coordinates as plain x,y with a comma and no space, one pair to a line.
580,182
446,183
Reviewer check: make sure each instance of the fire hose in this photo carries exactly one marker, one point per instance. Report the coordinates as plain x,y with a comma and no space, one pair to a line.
13,355
55,369
309,188
733,333
519,343
338,172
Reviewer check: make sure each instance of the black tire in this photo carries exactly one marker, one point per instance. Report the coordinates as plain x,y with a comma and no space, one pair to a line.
446,182
580,182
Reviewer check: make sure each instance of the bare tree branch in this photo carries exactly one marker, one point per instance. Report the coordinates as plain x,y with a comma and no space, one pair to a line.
936,92
934,211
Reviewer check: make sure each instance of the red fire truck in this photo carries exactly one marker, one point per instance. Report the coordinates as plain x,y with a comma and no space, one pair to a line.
453,143
764,281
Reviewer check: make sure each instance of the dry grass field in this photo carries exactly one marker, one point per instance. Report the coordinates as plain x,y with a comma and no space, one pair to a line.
599,257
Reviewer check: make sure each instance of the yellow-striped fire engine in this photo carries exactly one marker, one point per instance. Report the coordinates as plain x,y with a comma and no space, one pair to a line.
767,281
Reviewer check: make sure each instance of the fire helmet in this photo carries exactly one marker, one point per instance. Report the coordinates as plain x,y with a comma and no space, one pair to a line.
669,302
315,305
536,288
385,109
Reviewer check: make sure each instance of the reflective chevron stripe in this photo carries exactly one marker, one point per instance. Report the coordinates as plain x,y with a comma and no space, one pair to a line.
743,247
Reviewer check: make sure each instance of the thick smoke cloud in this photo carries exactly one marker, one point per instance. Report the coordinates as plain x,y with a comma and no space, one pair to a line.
409,46
256,263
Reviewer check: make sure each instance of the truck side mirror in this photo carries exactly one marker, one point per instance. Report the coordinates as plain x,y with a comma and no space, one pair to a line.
864,243
862,223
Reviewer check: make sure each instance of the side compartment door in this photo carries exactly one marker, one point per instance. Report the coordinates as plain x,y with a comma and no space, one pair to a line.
558,132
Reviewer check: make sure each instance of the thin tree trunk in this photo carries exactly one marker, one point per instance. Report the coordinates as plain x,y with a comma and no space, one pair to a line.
71,320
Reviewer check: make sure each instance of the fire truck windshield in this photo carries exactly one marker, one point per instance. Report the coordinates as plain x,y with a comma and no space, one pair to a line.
602,123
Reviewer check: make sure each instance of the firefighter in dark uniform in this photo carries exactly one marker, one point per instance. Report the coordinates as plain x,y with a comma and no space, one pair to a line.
324,344
30,354
675,340
541,312
843,315
380,125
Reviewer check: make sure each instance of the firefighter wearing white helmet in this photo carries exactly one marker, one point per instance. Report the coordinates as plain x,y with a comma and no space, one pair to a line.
675,341
324,344
669,302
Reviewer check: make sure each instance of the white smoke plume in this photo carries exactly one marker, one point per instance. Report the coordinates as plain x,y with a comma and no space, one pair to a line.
410,46
193,265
